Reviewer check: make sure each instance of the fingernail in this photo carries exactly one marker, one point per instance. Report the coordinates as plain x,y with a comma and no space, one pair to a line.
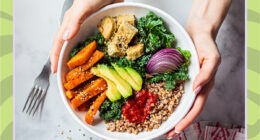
177,132
197,90
65,35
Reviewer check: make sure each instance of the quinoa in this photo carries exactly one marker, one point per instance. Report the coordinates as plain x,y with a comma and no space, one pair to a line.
167,101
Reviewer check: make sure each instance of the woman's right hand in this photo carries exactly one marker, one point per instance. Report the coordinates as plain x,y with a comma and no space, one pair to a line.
203,24
72,20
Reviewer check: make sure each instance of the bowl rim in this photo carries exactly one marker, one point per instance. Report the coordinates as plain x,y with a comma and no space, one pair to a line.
134,4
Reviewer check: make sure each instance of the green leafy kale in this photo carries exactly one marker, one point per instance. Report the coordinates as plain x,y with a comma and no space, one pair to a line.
111,110
153,33
100,44
171,78
155,36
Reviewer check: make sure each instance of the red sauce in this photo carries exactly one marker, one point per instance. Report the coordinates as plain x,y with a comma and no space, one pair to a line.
138,106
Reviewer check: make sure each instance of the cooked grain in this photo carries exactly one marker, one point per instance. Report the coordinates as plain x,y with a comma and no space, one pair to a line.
166,103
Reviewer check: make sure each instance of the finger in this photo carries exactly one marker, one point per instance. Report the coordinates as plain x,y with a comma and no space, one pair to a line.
171,134
72,29
193,113
207,71
68,30
74,18
196,108
56,48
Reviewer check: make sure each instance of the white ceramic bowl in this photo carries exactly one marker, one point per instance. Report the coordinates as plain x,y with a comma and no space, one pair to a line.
88,28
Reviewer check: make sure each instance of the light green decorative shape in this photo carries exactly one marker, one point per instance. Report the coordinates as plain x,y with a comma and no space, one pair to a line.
7,117
253,76
5,62
254,29
6,6
6,69
253,5
253,71
8,27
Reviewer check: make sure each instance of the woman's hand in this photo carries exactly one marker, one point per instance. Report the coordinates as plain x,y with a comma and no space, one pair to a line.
209,58
72,20
203,24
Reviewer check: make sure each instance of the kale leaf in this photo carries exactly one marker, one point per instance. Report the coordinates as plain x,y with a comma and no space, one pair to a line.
154,34
111,110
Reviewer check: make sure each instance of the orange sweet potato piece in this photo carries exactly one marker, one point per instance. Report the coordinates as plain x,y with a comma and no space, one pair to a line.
70,94
96,87
82,56
85,106
75,82
78,71
94,108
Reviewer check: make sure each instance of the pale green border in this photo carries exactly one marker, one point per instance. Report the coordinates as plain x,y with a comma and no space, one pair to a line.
6,69
253,69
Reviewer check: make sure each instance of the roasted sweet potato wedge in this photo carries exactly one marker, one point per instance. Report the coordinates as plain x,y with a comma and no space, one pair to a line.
96,87
79,71
82,56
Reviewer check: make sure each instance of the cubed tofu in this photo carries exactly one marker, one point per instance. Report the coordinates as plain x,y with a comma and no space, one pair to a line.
125,18
135,51
114,50
124,34
107,27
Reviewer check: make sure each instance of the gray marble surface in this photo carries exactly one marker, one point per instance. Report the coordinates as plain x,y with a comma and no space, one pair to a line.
36,23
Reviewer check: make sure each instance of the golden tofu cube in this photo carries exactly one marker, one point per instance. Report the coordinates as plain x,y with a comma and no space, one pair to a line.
125,18
135,51
124,34
107,26
114,50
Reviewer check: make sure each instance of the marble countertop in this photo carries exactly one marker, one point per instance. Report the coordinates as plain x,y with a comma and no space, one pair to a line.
36,23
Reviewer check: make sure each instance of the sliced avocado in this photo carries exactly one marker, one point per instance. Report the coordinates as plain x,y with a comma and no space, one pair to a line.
95,71
123,87
112,92
124,74
135,75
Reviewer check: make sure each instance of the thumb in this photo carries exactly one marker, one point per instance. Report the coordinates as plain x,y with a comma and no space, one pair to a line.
208,69
71,29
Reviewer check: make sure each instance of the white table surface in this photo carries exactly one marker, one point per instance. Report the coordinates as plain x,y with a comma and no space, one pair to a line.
36,23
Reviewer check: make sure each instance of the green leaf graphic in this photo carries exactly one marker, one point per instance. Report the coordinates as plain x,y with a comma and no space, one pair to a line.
252,58
254,129
6,16
6,41
6,63
6,89
253,16
8,133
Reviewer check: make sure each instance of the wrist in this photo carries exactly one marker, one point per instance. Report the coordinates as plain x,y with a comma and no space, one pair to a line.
206,16
200,27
